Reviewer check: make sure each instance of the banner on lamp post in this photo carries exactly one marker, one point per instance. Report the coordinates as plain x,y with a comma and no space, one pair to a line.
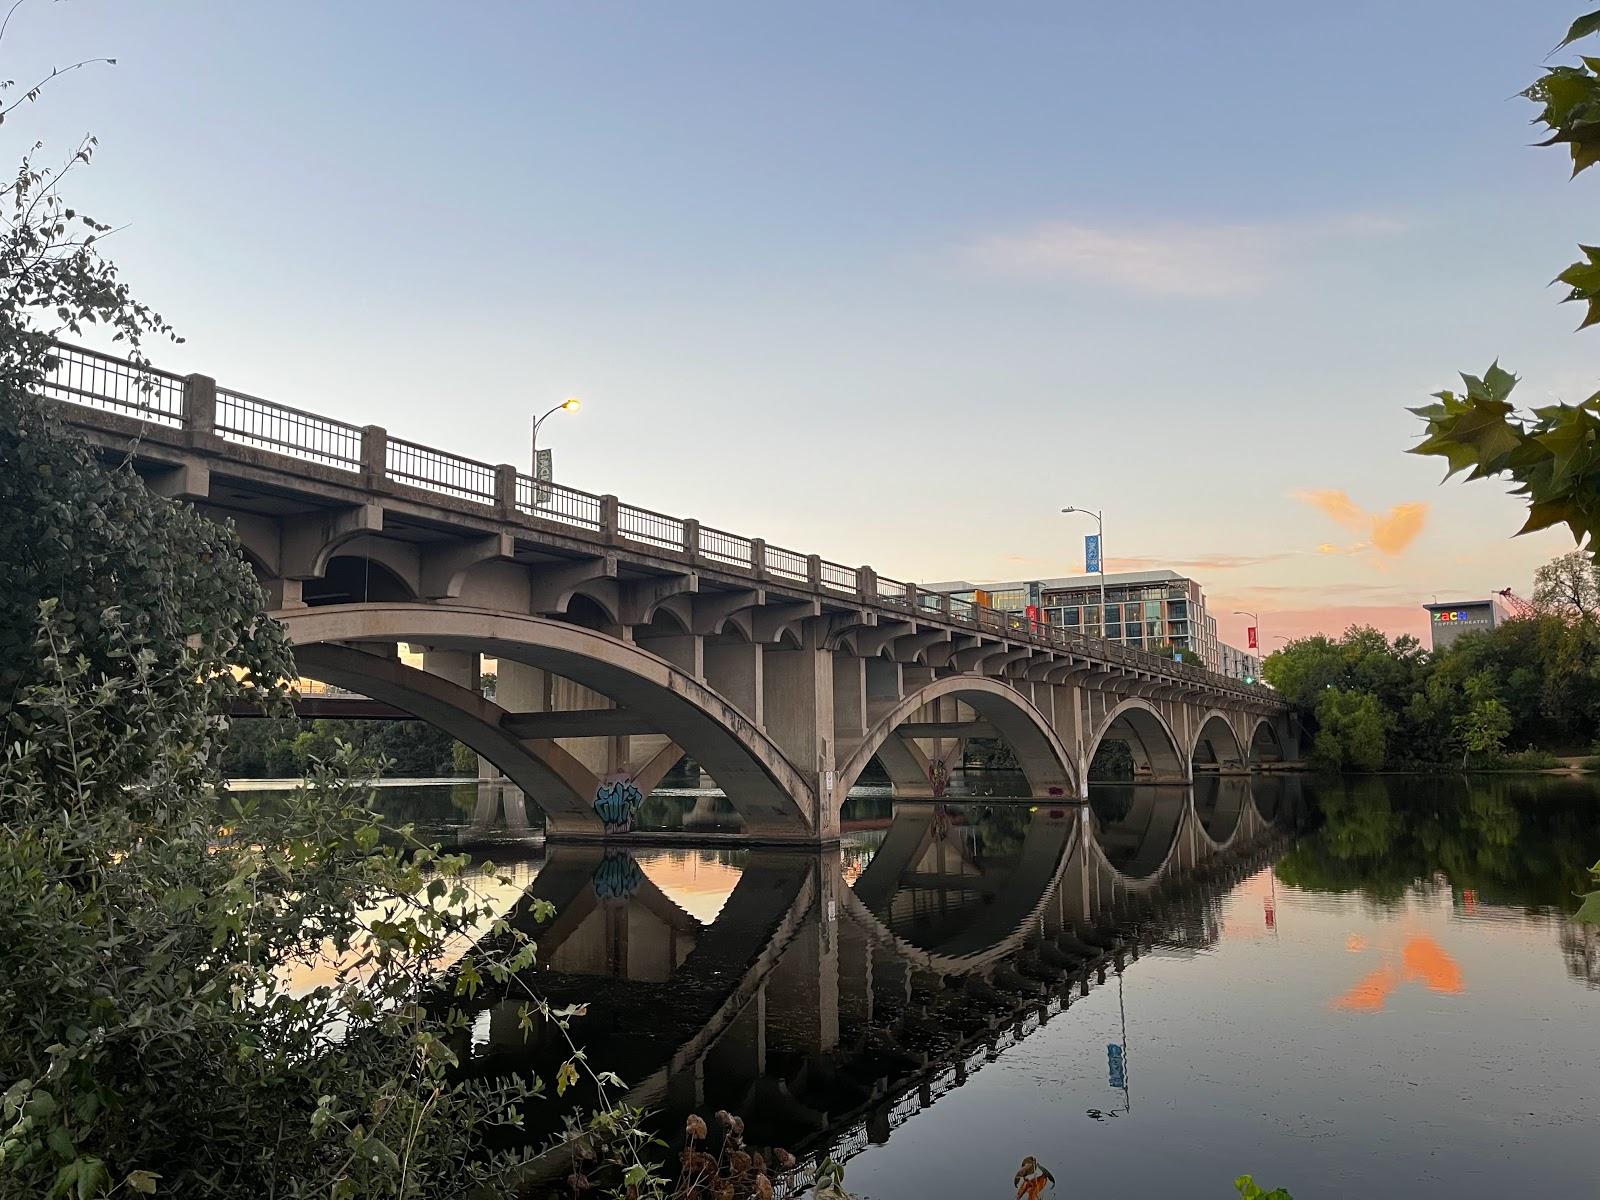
544,475
1091,554
1250,633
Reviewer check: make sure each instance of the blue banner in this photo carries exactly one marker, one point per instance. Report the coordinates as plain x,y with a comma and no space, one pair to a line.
1091,554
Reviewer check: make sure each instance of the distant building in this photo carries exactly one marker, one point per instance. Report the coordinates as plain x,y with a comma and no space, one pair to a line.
1239,664
1144,609
1447,622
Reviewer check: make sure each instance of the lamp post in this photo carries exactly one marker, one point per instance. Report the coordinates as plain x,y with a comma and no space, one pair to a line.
1100,540
570,404
1254,617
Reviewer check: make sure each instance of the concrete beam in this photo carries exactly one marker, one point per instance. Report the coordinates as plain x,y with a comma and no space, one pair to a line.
309,540
576,723
550,589
445,567
712,610
642,597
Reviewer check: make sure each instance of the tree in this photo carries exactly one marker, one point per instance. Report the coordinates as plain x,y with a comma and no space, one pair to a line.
1552,454
1482,729
149,1035
1352,732
1569,585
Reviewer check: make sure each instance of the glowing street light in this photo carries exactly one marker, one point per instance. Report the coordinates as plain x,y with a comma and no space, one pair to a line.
570,404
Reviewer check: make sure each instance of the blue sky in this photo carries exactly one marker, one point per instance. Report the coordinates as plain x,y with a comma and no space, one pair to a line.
887,282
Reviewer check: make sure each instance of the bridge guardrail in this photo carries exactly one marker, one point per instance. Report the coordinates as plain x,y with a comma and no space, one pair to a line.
251,421
649,528
97,380
92,379
439,471
548,501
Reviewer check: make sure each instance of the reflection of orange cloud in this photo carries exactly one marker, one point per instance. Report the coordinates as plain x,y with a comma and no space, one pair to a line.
1425,959
1372,993
1422,959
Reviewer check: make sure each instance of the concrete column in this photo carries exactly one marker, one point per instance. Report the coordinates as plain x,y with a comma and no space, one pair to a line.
685,651
883,681
849,695
200,404
735,669
798,685
458,666
374,454
505,489
283,593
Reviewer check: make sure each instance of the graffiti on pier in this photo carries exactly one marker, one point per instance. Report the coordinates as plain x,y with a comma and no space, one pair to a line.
615,802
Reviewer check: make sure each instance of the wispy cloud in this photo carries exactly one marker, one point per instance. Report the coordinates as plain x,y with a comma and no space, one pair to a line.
1390,533
1202,562
1167,258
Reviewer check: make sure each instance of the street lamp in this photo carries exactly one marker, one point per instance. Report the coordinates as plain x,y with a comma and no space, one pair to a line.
570,404
1100,540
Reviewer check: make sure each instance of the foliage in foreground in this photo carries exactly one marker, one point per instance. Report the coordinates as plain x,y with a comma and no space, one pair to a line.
1552,453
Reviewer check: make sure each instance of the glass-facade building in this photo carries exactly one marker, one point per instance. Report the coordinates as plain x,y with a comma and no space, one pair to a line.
1147,610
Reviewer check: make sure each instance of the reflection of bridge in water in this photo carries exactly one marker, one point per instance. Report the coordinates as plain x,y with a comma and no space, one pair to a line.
826,1015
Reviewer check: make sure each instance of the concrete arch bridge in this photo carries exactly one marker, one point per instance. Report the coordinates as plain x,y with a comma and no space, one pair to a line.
625,638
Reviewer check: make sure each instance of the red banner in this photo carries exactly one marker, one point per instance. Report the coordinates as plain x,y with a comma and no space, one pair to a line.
1251,634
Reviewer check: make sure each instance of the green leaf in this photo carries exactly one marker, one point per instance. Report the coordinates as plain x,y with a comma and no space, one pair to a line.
142,1181
1585,25
1589,911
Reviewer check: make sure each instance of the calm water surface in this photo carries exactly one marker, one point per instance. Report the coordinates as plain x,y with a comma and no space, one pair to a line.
1353,987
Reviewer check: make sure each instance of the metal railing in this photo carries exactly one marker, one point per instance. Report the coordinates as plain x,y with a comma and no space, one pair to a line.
837,577
650,528
556,502
786,564
100,381
438,471
95,380
251,421
728,548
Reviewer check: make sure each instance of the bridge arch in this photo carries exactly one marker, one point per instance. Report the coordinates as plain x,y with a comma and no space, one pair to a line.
1044,759
1216,742
771,797
1157,756
1266,744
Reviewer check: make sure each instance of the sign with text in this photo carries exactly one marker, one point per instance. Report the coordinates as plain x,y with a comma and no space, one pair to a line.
544,474
1091,554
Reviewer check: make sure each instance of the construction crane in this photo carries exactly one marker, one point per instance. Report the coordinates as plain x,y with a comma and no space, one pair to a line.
1518,606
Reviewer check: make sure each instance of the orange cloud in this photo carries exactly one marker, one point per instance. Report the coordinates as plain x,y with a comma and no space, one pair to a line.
1388,533
1393,533
1336,505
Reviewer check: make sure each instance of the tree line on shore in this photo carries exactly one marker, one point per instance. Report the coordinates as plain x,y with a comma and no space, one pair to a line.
1515,695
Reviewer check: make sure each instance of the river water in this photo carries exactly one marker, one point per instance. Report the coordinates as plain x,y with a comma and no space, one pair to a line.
1358,987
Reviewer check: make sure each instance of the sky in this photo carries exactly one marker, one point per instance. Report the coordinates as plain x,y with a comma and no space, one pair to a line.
888,282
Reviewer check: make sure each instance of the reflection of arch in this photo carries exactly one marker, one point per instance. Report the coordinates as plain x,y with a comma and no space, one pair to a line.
1136,827
649,1031
770,796
1002,924
1040,753
1265,744
1156,755
1219,803
1216,743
